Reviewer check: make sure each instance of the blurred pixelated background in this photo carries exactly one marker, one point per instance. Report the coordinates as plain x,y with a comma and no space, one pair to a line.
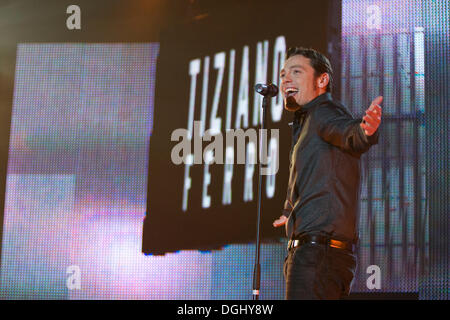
77,119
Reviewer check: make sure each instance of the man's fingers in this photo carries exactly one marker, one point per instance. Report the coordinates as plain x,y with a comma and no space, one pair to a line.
374,113
279,222
377,100
371,121
364,126
368,130
377,109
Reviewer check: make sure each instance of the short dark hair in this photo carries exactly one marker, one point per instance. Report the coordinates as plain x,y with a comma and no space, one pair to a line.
319,62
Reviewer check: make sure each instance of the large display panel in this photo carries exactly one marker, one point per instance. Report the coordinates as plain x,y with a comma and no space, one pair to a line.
81,126
206,194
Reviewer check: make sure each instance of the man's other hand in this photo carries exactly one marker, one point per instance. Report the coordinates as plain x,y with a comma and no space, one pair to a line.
281,221
372,119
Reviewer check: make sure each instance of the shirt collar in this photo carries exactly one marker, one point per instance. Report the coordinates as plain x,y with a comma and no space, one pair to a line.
317,100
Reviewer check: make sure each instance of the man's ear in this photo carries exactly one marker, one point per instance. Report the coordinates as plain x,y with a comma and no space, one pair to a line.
323,80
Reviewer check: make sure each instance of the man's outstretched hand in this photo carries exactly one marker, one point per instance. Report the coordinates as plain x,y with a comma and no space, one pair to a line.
372,119
281,221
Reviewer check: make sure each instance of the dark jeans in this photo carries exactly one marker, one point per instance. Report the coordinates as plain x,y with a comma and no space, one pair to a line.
316,271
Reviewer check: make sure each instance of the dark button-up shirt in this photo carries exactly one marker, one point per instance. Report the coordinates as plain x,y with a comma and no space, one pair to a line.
324,180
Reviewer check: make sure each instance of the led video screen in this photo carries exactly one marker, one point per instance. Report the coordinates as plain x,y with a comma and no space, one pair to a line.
84,115
207,190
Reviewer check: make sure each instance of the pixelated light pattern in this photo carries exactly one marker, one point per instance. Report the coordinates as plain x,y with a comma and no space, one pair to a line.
77,171
384,53
76,187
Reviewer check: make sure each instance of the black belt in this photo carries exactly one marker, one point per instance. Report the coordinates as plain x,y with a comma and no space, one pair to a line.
317,239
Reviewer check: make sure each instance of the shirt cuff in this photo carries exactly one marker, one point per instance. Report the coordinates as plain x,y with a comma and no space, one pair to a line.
287,209
370,140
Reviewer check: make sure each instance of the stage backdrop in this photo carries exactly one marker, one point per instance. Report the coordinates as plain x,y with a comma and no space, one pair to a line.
207,70
81,131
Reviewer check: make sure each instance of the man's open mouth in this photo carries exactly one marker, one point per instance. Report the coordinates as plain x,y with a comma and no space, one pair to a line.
289,92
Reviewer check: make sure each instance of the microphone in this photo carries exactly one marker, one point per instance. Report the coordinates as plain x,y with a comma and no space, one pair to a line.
267,90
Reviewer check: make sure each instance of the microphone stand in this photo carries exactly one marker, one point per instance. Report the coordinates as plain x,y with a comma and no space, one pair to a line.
257,267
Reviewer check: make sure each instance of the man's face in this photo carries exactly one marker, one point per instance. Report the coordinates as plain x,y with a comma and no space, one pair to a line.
298,82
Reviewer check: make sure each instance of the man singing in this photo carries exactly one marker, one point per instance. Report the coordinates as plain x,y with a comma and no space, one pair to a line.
321,208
